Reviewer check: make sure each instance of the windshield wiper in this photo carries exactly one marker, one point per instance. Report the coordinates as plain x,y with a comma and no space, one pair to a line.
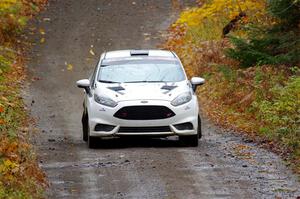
106,81
144,81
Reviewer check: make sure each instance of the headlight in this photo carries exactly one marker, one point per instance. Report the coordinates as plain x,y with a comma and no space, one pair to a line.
105,101
182,99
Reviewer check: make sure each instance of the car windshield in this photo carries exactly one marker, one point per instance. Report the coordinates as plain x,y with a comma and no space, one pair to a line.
134,71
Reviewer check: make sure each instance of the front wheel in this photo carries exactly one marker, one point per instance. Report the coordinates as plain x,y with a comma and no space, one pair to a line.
199,128
85,126
190,140
92,142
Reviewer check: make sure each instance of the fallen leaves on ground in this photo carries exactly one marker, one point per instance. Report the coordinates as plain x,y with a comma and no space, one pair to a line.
42,31
92,52
69,67
42,40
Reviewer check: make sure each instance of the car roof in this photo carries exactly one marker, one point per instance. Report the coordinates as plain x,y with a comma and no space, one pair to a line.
119,54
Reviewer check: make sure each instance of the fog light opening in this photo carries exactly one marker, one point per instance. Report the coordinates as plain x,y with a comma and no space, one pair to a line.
104,127
184,126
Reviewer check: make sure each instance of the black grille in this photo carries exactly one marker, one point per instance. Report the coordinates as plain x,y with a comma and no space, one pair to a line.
144,129
144,113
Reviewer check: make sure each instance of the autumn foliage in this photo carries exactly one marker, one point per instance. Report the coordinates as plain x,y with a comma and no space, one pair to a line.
14,15
263,100
20,175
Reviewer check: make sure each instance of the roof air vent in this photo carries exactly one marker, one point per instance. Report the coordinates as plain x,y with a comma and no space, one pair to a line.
139,53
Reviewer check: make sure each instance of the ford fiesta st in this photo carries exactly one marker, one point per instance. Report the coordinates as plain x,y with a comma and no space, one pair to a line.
140,92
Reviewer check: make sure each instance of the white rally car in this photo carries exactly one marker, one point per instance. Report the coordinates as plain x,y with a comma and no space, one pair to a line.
140,92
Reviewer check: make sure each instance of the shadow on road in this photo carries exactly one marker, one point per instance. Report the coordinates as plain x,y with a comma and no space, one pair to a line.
137,142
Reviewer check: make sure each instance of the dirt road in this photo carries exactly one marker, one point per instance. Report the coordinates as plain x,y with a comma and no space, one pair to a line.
223,166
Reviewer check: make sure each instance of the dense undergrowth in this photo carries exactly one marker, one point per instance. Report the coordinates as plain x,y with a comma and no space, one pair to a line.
248,51
20,175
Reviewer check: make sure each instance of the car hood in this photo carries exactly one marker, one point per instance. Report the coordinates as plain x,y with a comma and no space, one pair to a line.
142,91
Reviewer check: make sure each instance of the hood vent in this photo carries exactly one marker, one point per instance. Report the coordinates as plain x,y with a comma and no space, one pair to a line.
169,88
116,88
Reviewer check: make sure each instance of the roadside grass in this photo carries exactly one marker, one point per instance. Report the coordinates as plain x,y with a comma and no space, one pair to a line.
20,175
261,101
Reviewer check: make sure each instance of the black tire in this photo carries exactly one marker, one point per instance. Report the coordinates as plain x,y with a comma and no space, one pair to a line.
85,123
92,142
199,128
190,140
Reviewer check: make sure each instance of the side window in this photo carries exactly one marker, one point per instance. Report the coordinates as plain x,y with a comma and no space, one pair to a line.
93,76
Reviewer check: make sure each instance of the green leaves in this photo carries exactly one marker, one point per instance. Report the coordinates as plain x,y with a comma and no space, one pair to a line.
281,114
288,11
262,48
274,44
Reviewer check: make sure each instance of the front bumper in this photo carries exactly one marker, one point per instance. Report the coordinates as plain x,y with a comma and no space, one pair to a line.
187,113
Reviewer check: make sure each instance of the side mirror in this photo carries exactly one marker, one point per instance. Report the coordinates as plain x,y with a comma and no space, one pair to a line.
85,84
197,81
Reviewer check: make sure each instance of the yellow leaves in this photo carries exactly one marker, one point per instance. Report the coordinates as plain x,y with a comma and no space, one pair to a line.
18,163
8,169
42,40
42,31
6,4
222,10
69,67
8,165
92,52
7,102
207,22
191,17
233,14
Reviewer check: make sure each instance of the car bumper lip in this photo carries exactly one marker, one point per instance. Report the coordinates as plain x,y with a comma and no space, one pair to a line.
183,114
115,132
